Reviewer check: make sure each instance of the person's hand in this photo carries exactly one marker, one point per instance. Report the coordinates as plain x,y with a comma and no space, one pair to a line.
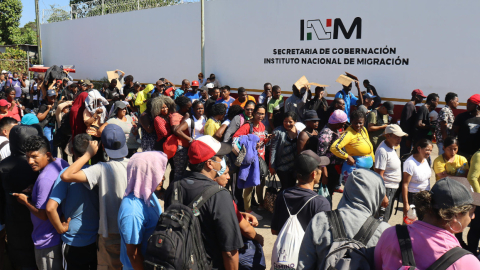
251,219
357,84
21,198
66,71
406,207
325,180
99,111
259,144
65,225
442,175
259,239
70,102
28,189
385,202
92,148
350,161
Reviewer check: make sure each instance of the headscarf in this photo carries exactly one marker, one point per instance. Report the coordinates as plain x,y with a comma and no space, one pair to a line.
114,109
76,115
92,101
338,116
145,172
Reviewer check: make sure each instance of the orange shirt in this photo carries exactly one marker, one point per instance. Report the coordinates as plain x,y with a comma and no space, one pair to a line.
236,102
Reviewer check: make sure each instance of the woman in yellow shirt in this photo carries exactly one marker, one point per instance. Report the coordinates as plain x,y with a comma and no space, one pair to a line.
217,112
354,146
449,163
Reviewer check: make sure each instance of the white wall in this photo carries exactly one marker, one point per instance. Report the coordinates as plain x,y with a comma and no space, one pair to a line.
438,37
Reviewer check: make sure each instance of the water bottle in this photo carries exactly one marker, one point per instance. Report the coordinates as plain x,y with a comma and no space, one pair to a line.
462,170
411,215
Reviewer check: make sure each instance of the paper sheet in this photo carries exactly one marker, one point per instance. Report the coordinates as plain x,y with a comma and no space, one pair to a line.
114,75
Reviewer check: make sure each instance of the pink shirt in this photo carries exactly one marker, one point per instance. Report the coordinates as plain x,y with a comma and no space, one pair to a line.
428,242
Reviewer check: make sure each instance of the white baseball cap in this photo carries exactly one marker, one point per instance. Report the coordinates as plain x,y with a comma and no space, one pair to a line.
210,85
395,130
4,71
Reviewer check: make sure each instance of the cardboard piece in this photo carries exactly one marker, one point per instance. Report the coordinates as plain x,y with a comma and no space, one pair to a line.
351,76
114,75
303,82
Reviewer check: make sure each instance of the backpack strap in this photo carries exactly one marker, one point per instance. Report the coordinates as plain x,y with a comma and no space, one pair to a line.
3,144
367,230
405,245
177,194
336,225
201,199
251,127
300,208
449,258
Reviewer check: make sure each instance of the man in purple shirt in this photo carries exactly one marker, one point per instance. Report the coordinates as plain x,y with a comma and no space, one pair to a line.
48,249
17,83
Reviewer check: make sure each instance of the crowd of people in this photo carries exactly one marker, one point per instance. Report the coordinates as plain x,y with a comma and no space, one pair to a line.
102,209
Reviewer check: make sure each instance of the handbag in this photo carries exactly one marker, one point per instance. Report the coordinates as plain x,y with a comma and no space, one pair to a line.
263,168
271,194
323,191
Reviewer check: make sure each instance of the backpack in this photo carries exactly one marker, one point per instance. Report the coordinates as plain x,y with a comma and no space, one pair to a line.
177,241
346,253
287,246
63,134
408,261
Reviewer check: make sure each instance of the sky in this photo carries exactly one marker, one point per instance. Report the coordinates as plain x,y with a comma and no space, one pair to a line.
28,12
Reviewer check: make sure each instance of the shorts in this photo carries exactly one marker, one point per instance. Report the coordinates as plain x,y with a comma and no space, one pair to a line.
49,258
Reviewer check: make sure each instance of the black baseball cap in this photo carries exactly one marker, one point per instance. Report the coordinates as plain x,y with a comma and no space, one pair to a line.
453,191
389,106
308,161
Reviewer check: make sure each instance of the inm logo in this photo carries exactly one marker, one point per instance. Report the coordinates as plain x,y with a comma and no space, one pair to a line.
316,29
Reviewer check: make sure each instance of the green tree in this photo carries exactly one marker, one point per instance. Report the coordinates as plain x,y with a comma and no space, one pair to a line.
58,15
10,13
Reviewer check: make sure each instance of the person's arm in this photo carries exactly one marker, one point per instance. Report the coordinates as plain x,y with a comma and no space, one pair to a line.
42,116
134,253
230,259
360,96
372,127
250,218
443,129
385,201
249,232
301,142
179,131
23,199
405,182
52,213
243,130
270,120
74,173
439,168
337,147
22,82
221,131
474,172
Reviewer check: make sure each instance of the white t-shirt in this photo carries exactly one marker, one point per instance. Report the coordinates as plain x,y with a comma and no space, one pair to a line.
300,127
386,159
226,122
111,179
199,126
5,151
420,173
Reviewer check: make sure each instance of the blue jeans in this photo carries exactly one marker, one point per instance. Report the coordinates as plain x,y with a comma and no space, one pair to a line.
48,132
440,148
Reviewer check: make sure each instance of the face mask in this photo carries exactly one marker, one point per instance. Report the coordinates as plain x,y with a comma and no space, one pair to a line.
222,170
15,79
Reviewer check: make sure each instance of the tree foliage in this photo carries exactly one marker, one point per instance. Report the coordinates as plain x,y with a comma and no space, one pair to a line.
10,14
58,14
9,57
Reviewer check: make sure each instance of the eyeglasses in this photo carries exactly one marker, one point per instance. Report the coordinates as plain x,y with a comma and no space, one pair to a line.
249,110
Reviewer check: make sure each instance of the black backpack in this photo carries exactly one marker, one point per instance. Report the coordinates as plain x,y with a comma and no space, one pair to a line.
408,261
177,241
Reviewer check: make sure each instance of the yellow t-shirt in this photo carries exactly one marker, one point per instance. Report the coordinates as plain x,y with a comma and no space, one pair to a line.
355,144
440,165
211,126
236,102
474,173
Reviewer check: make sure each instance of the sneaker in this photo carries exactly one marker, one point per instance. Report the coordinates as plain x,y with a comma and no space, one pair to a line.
256,215
339,190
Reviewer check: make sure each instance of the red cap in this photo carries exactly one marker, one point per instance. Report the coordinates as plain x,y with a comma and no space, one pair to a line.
205,147
195,83
418,92
4,103
167,92
475,99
